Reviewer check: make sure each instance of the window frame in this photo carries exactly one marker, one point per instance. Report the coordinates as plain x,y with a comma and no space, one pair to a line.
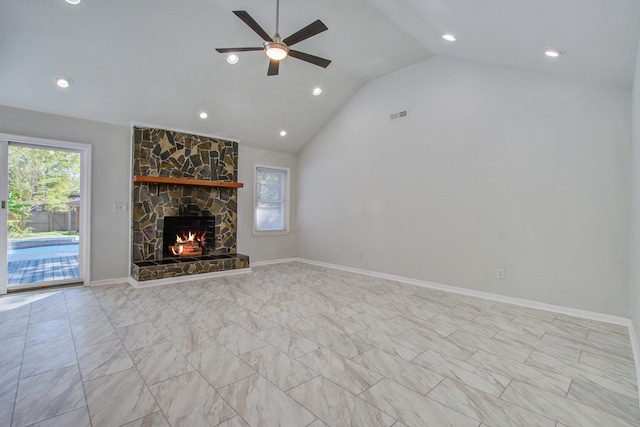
286,205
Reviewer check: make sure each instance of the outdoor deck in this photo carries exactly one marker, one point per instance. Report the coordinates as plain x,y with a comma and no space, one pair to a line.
42,270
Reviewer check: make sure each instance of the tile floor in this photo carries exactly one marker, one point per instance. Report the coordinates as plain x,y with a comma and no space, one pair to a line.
299,345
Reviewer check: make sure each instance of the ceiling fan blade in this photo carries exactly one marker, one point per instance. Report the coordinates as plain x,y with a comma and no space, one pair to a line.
273,68
238,49
315,60
247,19
310,30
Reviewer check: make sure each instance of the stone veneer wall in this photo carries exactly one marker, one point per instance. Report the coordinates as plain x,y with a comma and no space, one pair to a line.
158,152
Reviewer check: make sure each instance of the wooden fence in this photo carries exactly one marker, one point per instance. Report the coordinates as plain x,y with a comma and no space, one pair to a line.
52,221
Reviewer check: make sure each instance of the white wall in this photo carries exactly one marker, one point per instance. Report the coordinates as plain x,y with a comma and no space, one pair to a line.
110,179
494,168
263,248
635,204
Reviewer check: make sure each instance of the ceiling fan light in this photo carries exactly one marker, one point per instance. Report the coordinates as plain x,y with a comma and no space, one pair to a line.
552,52
276,51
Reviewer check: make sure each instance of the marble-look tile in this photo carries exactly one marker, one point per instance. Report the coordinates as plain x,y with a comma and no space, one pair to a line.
408,374
445,325
75,418
87,314
48,356
153,420
484,407
12,350
188,338
557,407
279,368
394,345
524,313
250,321
103,359
159,362
190,401
236,339
126,317
236,422
206,319
540,378
85,334
6,413
599,397
383,313
587,345
616,383
344,372
218,365
336,406
511,351
290,321
118,398
9,375
51,330
167,318
567,330
413,408
14,327
471,375
61,389
293,344
345,326
260,403
338,342
535,343
431,340
612,364
298,309
592,325
140,335
387,326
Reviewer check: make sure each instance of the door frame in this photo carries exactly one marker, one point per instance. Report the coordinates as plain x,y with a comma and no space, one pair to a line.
84,224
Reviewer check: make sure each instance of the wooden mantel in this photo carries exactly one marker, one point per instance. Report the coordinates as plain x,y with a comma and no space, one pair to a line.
185,181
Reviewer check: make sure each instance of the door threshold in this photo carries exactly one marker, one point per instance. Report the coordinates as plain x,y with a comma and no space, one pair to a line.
44,286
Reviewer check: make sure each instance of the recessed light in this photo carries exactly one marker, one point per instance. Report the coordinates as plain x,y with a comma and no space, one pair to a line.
449,37
63,82
73,1
283,133
203,114
552,52
232,58
316,91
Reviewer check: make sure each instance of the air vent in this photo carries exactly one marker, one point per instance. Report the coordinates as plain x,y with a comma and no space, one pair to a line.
399,115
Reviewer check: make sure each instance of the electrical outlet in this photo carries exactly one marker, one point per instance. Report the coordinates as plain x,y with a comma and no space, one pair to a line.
120,207
500,273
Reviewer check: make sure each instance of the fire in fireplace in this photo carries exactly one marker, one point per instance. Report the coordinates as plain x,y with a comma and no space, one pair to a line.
185,236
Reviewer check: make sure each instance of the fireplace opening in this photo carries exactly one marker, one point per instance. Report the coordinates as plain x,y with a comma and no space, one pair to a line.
188,236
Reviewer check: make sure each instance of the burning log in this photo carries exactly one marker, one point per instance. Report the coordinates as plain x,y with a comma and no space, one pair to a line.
188,244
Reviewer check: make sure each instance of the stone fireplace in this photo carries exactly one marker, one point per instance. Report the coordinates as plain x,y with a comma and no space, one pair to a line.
184,205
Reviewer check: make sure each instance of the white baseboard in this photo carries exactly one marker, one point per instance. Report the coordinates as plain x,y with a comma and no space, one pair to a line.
105,282
179,279
273,261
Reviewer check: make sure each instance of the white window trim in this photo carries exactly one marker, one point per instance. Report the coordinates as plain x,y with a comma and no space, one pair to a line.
287,198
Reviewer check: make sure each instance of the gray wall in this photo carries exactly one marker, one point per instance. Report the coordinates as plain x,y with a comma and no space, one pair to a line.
110,179
494,168
635,205
264,248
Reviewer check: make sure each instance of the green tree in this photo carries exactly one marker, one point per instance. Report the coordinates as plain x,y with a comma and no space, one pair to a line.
44,177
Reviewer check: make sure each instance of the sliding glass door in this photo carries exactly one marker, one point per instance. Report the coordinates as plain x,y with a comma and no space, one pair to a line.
42,235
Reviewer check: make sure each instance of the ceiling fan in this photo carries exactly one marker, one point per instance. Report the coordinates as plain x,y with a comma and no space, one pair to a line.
276,47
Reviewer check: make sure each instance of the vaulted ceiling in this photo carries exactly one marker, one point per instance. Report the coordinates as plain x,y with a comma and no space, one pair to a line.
153,61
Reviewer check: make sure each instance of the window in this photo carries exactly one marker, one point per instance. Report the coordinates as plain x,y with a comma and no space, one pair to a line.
271,208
